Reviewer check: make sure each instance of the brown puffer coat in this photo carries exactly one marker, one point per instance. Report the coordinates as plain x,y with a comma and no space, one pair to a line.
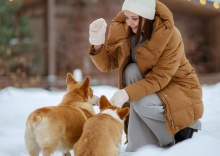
163,62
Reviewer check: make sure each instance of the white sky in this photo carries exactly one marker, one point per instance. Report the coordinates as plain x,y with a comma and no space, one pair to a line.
17,104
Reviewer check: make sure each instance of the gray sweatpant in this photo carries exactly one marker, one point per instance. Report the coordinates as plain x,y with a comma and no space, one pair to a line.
147,123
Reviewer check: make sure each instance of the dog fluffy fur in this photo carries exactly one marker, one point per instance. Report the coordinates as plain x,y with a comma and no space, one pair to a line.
58,128
102,133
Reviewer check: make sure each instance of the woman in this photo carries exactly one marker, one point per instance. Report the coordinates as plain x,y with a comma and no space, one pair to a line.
155,76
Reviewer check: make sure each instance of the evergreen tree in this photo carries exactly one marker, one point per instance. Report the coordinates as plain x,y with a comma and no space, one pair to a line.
15,40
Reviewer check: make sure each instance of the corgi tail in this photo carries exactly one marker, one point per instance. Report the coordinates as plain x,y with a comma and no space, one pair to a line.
30,139
30,136
34,120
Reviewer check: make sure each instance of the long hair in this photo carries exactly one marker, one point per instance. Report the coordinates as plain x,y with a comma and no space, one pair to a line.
148,29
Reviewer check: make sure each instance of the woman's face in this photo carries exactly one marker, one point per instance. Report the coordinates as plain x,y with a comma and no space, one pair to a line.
132,20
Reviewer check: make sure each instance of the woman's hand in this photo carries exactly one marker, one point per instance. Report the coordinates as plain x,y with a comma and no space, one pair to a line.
97,30
119,98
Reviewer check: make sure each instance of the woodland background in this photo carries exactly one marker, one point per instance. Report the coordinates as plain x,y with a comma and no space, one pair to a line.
42,40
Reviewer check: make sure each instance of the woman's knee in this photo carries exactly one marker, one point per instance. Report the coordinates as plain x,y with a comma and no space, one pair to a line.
140,105
149,106
132,74
146,101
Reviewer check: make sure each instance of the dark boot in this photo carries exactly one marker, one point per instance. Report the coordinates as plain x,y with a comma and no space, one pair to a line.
184,134
126,121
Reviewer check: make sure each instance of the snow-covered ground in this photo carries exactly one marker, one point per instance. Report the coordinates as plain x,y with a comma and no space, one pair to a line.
17,104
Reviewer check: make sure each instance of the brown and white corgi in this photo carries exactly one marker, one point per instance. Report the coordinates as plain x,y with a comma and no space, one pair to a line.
102,133
58,128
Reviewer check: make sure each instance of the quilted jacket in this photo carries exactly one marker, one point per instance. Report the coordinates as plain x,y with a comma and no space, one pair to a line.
162,61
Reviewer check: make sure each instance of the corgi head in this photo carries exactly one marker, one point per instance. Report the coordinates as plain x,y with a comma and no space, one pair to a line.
80,91
107,108
73,85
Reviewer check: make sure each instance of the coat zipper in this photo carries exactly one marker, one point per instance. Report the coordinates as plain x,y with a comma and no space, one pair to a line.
171,120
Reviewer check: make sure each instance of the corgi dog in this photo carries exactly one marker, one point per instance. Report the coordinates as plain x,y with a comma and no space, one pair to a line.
58,128
102,134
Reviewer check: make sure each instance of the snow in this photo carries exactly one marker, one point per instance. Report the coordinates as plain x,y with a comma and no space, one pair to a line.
214,1
16,104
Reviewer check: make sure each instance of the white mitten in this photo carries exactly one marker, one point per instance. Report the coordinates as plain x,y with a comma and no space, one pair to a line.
119,98
97,31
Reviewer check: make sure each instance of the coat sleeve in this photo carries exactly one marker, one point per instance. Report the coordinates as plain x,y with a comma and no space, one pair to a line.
103,61
161,67
109,57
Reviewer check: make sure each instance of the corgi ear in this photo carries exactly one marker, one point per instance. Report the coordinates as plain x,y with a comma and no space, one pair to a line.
86,84
123,112
104,103
70,79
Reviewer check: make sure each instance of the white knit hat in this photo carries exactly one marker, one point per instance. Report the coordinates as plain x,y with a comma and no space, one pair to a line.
143,8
